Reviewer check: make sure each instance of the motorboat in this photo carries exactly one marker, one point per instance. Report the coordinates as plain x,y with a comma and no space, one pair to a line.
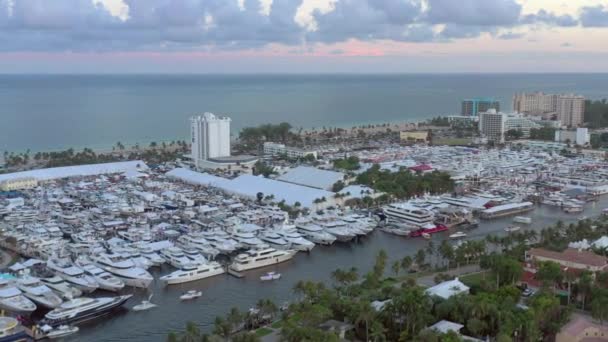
270,276
296,240
193,272
522,219
247,239
512,229
105,280
260,258
124,269
154,258
58,332
13,300
194,256
145,305
341,232
431,229
72,274
192,294
275,240
39,293
83,309
198,243
458,235
61,287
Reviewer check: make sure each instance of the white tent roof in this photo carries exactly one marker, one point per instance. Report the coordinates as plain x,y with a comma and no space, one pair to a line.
448,289
76,171
197,178
312,177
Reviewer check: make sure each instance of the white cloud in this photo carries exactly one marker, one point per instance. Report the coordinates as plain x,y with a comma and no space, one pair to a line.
241,4
304,15
117,8
266,7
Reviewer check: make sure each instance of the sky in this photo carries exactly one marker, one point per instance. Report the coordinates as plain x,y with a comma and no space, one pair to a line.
303,36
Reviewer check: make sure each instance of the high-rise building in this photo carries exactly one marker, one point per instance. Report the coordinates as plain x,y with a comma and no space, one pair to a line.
472,107
210,137
569,109
492,125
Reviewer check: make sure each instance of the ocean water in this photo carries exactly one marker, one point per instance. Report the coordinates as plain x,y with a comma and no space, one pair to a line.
49,112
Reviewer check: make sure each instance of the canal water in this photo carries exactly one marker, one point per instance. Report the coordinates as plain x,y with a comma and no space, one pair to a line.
222,292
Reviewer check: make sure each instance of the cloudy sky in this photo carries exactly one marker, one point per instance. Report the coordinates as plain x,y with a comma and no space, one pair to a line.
253,36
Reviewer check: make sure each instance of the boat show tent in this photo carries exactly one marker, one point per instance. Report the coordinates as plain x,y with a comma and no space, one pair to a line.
312,177
77,171
197,178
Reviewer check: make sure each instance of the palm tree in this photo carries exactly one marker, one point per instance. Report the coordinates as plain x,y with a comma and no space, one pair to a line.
406,263
192,334
430,251
446,251
420,257
365,315
396,267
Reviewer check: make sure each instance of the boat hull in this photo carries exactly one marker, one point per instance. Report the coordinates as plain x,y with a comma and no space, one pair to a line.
194,277
88,315
264,263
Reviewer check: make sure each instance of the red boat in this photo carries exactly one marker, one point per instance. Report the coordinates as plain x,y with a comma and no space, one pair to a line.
438,228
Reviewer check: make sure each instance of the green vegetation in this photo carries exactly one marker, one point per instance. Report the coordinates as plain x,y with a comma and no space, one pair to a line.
261,168
514,134
441,121
261,332
596,113
254,136
405,184
543,133
349,164
338,186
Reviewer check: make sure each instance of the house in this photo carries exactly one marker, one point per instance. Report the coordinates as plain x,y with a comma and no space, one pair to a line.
340,328
570,258
582,328
448,289
444,327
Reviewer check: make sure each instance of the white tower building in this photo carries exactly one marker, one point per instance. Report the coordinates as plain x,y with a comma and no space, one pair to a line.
210,137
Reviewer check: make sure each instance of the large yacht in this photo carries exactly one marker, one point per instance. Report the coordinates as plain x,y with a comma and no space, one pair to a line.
175,257
199,243
72,274
193,272
247,239
13,300
61,287
124,269
260,258
297,241
315,233
410,215
221,241
39,293
105,280
83,309
274,240
339,230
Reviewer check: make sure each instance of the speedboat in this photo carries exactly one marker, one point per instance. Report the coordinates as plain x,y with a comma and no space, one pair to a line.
105,280
260,258
59,332
61,287
296,240
511,229
270,276
72,274
13,300
124,269
83,309
192,294
144,305
522,219
458,235
39,293
193,272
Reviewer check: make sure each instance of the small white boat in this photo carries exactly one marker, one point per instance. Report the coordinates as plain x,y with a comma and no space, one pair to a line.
145,305
426,236
458,235
59,332
522,219
270,276
511,229
192,294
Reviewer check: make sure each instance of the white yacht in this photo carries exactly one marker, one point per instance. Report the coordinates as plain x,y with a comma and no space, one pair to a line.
260,258
411,215
72,274
154,258
297,241
365,224
315,234
124,269
221,241
175,257
39,293
83,309
247,239
339,230
61,287
191,241
193,272
13,300
275,240
105,280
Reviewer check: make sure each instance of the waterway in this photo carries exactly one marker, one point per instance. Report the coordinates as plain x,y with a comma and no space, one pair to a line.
223,292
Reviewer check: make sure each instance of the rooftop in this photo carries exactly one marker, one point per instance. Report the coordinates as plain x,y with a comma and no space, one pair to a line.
77,171
571,255
312,177
448,289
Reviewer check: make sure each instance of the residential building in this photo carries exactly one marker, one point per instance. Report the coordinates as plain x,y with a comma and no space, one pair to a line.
570,258
567,108
210,137
571,110
276,149
492,126
472,107
520,123
447,289
582,328
580,136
